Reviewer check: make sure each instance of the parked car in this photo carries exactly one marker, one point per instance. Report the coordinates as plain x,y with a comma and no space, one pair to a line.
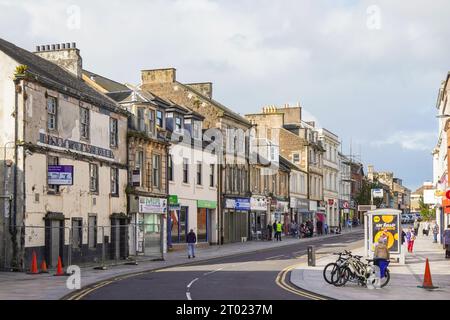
405,218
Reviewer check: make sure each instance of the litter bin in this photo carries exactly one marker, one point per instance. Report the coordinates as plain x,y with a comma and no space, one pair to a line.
311,256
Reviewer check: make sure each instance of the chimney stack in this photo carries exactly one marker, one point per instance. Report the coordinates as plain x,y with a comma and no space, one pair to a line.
65,55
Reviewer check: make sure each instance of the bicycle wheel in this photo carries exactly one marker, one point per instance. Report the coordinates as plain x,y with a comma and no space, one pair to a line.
328,272
385,280
340,278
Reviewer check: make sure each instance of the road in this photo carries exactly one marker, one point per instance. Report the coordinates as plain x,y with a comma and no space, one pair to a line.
252,276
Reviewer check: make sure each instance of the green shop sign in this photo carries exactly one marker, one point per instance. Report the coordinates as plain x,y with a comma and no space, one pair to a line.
173,200
206,204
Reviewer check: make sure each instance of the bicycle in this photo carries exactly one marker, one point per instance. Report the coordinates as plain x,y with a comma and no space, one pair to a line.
365,274
330,269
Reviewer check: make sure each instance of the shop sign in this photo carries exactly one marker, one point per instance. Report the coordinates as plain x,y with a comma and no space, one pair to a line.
152,205
330,202
173,199
258,204
242,204
313,205
60,175
45,139
208,204
230,203
302,204
293,203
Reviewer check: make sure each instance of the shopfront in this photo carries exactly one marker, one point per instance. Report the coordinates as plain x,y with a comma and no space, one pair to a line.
205,213
236,212
300,210
258,217
146,238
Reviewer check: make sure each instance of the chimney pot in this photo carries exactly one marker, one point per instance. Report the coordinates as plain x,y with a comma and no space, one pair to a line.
74,45
58,46
47,47
38,48
53,47
67,45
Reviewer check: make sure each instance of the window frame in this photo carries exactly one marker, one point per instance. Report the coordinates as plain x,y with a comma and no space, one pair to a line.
212,179
170,168
91,178
114,176
156,170
52,188
85,120
185,170
113,132
52,114
199,171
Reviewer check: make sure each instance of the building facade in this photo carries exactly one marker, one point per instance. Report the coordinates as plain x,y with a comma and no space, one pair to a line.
330,142
225,130
344,192
67,171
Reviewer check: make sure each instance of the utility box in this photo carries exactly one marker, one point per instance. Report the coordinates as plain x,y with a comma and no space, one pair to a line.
311,256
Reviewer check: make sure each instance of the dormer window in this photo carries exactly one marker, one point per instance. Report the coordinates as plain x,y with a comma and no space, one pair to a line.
178,124
141,119
160,119
151,120
197,129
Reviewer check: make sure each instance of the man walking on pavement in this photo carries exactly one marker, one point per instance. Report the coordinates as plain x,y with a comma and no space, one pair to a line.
435,232
191,240
275,231
416,227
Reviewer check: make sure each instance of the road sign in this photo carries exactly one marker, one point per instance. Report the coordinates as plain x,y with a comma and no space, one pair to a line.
377,193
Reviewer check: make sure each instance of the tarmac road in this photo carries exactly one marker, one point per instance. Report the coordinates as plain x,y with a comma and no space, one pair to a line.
251,276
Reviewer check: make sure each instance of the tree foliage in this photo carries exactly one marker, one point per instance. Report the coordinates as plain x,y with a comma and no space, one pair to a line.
426,212
364,196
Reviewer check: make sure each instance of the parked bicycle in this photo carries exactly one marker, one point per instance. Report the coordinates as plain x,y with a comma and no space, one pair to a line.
330,269
365,274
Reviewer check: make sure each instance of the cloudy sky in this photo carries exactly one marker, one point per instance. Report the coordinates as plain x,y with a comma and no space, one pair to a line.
367,70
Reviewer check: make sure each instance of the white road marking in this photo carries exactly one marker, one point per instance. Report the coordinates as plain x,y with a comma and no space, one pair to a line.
190,284
279,256
214,271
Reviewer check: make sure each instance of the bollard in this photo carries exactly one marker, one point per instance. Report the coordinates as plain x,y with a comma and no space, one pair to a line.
311,256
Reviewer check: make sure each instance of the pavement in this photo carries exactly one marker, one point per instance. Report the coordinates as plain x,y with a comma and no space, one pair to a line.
404,282
22,286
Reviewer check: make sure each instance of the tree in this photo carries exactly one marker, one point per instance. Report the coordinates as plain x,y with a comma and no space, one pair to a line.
364,195
425,211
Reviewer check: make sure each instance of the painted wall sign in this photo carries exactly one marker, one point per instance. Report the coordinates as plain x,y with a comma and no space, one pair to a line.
60,175
242,204
136,178
152,205
74,146
208,204
258,204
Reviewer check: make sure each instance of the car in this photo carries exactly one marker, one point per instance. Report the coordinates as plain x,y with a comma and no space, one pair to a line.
404,218
416,215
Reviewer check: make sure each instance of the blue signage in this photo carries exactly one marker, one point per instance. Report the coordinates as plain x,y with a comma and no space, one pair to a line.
242,204
60,175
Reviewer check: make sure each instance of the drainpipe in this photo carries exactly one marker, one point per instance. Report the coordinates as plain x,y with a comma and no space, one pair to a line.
220,204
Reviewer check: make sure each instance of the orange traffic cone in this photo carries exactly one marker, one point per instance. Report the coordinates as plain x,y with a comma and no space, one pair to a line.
59,268
427,281
44,267
34,268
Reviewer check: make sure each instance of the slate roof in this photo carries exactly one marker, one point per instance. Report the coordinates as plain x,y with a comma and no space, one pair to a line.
53,76
108,84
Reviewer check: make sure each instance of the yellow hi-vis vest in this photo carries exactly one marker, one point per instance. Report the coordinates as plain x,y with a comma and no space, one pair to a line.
278,227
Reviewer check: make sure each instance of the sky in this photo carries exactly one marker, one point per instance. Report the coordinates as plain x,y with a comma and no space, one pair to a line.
369,71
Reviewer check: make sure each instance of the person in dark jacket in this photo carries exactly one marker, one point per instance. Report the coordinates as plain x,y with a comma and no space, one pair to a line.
191,240
269,228
274,230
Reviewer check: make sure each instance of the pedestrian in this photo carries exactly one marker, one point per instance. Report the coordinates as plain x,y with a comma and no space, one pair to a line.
297,230
412,238
446,236
191,240
381,256
435,232
274,230
269,232
416,227
319,226
325,227
279,230
426,228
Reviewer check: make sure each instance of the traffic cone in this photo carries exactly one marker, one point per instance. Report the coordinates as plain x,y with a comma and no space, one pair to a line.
59,268
44,267
34,268
427,281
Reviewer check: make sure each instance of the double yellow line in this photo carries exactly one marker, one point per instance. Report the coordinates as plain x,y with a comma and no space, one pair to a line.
281,282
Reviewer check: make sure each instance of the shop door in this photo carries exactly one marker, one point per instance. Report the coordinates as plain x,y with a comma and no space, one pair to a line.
55,241
202,221
152,234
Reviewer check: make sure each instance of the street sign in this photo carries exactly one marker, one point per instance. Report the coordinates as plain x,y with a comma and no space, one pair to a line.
377,193
366,208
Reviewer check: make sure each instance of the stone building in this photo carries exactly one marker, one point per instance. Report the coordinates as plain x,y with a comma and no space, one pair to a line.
148,156
66,161
225,130
344,194
330,143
